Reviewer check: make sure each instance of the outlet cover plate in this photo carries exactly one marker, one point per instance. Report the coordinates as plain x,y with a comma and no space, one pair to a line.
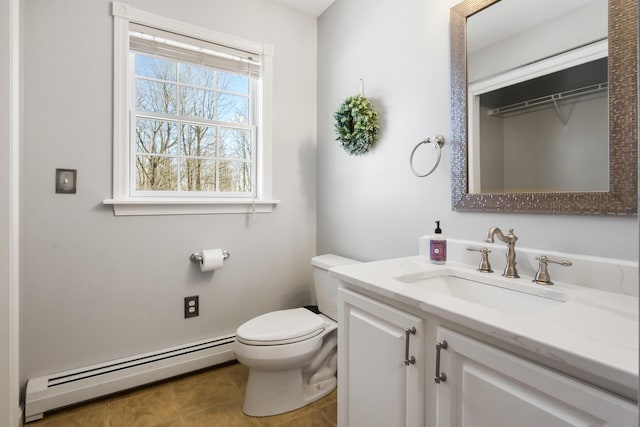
191,307
66,181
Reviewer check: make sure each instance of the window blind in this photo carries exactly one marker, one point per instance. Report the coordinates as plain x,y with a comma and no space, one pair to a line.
154,41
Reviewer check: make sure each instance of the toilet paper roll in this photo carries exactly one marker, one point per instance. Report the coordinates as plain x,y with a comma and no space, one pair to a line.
212,259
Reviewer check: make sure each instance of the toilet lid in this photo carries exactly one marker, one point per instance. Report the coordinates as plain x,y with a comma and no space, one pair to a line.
281,327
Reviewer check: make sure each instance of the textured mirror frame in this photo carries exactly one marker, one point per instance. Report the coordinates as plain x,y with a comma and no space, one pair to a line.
622,197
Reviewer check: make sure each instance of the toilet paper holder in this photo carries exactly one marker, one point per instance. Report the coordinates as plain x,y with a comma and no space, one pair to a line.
196,257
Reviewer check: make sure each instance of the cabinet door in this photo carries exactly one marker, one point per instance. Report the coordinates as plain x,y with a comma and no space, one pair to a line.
375,385
487,387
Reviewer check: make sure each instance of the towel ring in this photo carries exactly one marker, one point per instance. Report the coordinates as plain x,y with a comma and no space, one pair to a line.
437,142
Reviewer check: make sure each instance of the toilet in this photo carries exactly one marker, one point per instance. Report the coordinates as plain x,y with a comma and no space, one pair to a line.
292,354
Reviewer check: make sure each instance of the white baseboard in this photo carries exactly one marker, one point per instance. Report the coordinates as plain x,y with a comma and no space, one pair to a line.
78,385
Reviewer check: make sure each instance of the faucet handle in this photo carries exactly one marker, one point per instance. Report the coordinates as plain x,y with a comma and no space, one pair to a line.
484,266
542,276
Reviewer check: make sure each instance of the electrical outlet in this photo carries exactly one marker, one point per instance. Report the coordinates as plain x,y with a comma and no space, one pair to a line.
191,307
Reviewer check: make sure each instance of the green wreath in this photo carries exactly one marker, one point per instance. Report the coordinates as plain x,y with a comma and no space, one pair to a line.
356,125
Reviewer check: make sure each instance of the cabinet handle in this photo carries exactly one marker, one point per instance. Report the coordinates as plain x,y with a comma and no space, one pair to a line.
407,334
440,376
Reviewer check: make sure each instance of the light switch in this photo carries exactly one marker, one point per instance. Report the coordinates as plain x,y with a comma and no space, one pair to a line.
66,181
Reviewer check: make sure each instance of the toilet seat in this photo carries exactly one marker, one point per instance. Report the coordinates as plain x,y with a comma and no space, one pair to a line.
281,327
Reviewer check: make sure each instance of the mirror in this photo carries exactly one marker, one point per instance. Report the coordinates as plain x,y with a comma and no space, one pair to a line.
604,180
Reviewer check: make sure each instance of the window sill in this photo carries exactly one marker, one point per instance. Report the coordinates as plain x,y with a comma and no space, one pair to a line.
156,206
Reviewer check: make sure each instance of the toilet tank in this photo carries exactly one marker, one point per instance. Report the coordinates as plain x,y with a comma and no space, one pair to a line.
326,287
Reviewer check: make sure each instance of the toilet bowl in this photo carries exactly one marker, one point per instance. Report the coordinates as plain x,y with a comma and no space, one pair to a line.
292,354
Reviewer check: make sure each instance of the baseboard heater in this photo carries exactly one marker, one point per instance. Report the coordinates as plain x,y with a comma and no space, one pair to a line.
66,388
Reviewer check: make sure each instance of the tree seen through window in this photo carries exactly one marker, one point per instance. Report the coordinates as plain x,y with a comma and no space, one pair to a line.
193,130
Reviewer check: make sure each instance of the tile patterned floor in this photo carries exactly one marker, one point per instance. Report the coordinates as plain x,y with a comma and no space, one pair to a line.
209,398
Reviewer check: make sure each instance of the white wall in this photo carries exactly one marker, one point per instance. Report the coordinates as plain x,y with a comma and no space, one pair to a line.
542,153
9,130
97,287
372,207
491,155
5,222
576,28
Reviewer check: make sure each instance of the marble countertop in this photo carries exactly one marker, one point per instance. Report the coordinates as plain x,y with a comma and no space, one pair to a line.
594,331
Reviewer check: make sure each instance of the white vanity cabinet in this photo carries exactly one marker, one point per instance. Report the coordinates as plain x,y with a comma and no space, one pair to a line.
509,360
487,387
387,372
380,363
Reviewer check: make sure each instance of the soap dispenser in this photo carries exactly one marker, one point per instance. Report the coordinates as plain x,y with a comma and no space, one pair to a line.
438,246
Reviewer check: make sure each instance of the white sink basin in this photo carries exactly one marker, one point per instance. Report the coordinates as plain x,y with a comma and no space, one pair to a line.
492,292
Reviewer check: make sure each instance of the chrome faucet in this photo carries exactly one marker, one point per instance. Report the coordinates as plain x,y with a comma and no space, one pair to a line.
510,239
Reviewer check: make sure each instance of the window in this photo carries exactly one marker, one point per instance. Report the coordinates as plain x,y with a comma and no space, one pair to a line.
191,119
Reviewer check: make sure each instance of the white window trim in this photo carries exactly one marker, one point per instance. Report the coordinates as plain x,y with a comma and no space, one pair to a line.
122,203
